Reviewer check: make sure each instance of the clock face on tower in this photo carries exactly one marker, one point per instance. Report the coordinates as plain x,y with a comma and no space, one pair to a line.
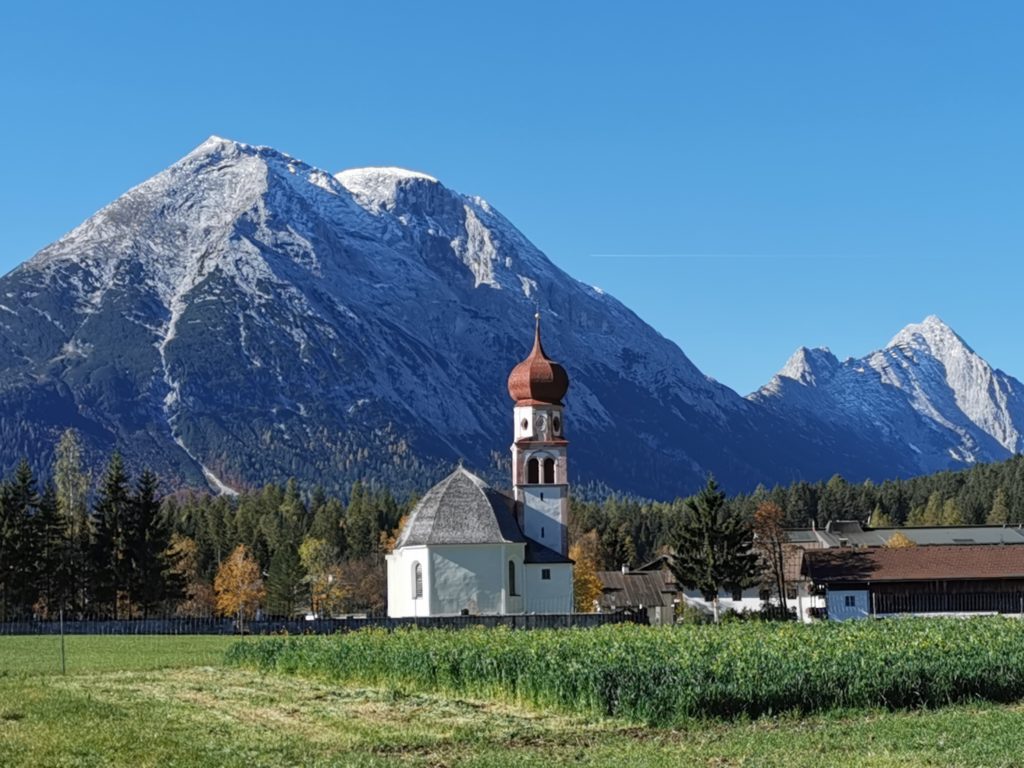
540,425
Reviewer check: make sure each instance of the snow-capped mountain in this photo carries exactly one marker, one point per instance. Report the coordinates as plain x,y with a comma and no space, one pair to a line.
244,317
926,395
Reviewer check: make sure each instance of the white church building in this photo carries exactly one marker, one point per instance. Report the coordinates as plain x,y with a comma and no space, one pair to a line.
470,549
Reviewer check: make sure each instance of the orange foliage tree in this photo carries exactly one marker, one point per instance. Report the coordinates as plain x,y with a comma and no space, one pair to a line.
770,541
586,586
238,586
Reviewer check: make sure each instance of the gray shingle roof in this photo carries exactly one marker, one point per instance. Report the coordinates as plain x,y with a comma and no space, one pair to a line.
462,509
635,588
847,533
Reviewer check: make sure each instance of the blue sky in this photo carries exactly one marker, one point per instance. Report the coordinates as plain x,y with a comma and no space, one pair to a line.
748,177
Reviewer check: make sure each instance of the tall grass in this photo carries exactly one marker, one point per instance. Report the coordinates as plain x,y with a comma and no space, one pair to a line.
664,675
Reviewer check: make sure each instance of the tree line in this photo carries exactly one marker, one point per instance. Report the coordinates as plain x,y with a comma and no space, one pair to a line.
631,531
116,546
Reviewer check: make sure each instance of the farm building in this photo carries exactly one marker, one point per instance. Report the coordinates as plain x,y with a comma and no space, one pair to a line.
652,590
850,533
470,549
923,580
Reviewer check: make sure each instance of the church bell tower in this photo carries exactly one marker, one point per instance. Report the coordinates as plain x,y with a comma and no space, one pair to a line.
539,469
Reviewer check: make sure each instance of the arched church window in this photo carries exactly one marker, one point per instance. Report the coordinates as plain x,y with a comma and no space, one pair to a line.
533,471
417,580
549,471
512,578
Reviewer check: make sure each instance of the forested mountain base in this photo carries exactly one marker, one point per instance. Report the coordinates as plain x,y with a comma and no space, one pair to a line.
116,548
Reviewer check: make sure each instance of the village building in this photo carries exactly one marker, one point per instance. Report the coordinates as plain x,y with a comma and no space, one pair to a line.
851,533
923,580
650,589
470,549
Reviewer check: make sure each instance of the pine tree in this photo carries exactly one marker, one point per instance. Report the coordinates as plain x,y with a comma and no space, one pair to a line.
362,529
714,548
285,582
151,578
19,543
328,523
54,580
111,561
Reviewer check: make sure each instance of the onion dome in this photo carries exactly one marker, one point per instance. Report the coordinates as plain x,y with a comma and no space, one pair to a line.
538,379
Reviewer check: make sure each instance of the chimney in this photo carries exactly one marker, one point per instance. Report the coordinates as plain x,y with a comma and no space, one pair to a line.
625,568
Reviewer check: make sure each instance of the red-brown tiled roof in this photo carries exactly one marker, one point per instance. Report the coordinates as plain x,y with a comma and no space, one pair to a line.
914,563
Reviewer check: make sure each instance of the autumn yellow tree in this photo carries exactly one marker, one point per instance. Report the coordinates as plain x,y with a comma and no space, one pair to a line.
199,598
323,573
388,539
770,542
899,540
238,586
585,584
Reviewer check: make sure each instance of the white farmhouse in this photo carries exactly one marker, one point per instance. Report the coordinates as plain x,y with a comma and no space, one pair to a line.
470,549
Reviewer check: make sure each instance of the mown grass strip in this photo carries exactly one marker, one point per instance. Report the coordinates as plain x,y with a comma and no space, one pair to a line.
668,675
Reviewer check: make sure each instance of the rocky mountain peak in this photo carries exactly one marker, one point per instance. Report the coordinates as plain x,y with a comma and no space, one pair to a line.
931,335
809,366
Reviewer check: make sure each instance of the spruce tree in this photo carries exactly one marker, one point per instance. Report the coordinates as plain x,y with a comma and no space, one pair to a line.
362,528
19,543
285,582
328,523
111,561
714,548
149,538
55,580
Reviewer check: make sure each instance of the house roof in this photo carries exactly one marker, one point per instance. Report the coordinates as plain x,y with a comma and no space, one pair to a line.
632,589
935,563
850,533
462,509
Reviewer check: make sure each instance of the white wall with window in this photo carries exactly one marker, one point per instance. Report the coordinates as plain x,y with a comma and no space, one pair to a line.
408,582
844,604
548,588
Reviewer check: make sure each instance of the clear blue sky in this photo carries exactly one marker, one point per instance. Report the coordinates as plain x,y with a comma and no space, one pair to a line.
748,177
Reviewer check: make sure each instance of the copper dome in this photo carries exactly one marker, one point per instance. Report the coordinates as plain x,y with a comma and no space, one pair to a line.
538,379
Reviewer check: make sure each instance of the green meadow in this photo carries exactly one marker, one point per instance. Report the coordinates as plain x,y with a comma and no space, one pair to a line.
171,701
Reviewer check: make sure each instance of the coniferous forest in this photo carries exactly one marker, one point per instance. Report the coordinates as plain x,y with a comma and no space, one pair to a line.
120,546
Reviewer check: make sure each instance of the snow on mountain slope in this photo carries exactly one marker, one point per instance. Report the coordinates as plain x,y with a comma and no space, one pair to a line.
926,392
243,316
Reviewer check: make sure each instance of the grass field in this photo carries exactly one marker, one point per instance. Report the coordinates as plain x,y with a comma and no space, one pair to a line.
174,705
98,653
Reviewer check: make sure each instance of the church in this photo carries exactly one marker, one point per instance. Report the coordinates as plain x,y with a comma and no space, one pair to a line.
470,549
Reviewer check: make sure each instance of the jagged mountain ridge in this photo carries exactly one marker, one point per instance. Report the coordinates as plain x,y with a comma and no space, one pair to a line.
926,392
243,317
